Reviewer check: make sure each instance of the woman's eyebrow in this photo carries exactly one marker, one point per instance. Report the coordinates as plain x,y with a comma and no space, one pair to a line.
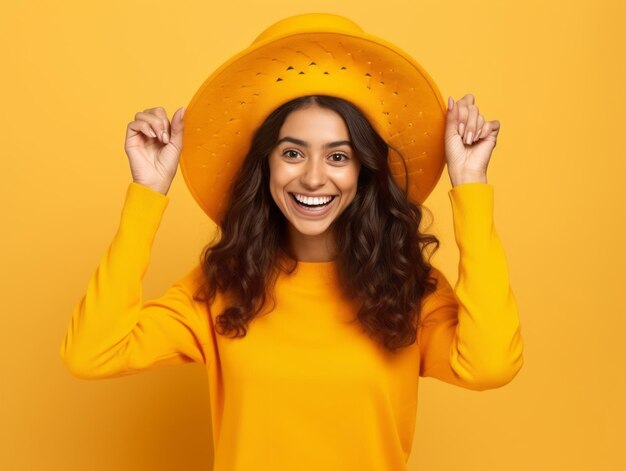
306,144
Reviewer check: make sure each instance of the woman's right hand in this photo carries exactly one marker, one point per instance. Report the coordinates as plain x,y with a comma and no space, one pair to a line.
154,160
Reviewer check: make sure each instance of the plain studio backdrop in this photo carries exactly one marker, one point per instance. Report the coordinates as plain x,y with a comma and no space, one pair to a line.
75,73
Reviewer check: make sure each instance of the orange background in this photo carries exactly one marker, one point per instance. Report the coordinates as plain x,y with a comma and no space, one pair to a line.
75,73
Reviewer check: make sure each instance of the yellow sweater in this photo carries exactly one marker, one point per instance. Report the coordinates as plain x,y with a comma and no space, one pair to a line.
305,389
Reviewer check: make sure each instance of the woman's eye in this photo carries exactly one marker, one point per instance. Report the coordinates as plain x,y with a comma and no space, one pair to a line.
340,156
291,156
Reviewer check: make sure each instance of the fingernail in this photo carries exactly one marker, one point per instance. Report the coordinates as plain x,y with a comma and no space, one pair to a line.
469,137
182,113
461,127
450,103
166,139
152,133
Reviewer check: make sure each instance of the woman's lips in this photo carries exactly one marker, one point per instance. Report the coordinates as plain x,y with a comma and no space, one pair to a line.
312,212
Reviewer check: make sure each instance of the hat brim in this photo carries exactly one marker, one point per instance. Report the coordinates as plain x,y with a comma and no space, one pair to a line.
399,98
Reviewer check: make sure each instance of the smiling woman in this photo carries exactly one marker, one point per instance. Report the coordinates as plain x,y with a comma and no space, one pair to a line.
313,178
315,187
289,148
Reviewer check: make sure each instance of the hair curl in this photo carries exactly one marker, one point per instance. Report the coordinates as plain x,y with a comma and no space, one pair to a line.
381,257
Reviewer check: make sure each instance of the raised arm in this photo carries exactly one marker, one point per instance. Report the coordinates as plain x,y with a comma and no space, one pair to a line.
113,332
471,336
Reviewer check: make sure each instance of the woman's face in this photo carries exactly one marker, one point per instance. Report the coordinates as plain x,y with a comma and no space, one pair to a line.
313,159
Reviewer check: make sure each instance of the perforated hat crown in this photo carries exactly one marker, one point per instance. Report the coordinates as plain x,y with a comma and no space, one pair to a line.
312,54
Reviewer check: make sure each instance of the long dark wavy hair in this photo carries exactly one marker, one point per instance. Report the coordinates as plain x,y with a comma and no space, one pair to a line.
382,256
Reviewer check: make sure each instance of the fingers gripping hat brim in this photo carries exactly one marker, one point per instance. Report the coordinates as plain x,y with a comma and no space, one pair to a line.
310,54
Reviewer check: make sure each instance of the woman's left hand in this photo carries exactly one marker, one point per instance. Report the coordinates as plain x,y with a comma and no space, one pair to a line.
469,141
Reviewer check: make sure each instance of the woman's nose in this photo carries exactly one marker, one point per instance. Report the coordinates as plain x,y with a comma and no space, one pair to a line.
313,175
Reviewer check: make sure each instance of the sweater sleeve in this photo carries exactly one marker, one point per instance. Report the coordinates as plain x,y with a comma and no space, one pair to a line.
113,332
471,336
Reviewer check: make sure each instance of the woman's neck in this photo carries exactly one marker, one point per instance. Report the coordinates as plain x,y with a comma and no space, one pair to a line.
317,248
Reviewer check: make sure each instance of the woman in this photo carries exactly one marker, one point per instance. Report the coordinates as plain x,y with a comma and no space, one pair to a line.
316,311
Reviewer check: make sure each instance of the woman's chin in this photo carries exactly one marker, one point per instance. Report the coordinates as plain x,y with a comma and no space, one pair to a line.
309,228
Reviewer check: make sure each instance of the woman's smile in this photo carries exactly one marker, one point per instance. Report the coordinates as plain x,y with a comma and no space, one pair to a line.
312,207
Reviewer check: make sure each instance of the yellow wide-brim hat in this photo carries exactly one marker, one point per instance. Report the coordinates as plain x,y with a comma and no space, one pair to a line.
307,54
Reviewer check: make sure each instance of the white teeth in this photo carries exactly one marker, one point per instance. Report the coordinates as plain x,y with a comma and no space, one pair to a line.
313,201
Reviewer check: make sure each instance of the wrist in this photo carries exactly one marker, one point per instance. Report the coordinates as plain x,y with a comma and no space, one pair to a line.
460,178
159,188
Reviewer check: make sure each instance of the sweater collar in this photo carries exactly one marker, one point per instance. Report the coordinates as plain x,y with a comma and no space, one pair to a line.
315,273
